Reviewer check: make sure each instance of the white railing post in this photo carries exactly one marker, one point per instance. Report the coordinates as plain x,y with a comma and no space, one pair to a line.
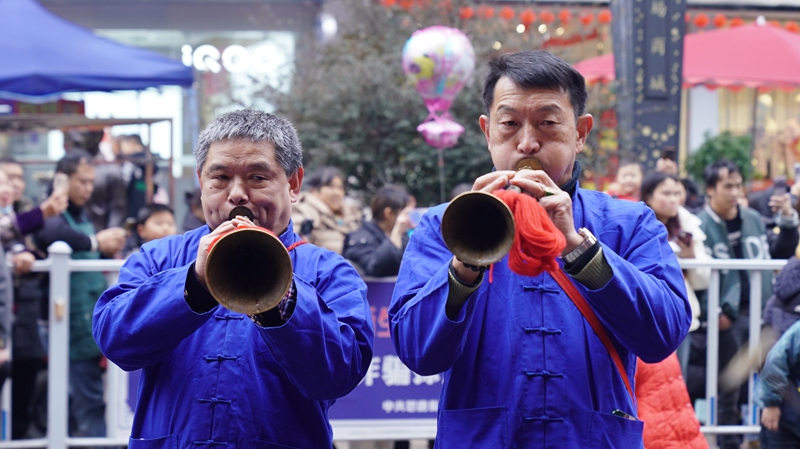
58,352
712,349
754,348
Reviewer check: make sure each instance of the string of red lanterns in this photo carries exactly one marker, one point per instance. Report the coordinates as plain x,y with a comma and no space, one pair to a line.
528,16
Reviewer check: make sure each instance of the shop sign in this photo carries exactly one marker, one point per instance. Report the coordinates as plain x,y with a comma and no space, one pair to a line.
234,58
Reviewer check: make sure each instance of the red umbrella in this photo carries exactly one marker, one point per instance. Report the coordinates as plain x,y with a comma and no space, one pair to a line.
746,56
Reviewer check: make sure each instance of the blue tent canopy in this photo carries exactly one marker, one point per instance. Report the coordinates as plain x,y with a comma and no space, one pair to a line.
42,54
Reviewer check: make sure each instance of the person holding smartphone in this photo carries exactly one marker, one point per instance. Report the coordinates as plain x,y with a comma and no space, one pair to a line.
666,163
775,204
376,248
662,192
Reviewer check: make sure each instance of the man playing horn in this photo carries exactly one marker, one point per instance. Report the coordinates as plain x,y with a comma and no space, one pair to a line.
213,377
523,366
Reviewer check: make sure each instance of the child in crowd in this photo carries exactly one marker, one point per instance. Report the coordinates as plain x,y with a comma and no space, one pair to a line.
629,179
778,392
154,221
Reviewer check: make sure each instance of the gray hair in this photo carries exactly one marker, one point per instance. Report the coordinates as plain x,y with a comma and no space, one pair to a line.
257,126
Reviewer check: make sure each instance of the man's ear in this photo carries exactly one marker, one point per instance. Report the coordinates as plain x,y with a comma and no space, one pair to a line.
484,122
295,182
585,124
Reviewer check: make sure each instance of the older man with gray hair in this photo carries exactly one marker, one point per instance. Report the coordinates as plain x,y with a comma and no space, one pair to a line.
214,377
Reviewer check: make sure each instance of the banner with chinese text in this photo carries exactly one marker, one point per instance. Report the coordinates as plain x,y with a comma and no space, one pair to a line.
389,390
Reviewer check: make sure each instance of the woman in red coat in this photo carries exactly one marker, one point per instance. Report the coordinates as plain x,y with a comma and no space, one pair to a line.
665,408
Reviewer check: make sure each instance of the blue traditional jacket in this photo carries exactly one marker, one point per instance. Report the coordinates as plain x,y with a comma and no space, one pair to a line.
216,378
522,367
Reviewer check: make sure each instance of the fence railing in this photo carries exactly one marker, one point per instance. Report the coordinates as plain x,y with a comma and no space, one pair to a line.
59,265
754,268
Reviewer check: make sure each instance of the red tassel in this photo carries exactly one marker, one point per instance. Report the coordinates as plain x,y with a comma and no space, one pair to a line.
537,241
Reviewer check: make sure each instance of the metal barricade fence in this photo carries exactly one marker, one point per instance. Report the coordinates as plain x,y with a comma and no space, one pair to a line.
60,265
712,351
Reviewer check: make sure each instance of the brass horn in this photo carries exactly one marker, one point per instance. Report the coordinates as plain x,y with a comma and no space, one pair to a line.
478,227
248,270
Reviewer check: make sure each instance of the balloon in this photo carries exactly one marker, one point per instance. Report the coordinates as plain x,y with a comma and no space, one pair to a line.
441,132
438,61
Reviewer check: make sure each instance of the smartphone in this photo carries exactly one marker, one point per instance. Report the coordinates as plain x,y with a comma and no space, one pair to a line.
306,227
416,215
61,183
668,153
797,172
685,238
780,187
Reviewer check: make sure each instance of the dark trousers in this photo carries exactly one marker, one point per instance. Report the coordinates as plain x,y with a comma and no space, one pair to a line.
788,434
23,374
728,408
87,407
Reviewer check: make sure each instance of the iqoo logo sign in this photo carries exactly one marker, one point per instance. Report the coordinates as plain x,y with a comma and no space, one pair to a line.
234,58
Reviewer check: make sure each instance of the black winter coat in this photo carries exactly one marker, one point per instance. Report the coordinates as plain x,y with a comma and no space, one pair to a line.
371,251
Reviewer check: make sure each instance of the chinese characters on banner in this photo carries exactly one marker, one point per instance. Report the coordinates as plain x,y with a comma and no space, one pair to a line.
389,390
648,58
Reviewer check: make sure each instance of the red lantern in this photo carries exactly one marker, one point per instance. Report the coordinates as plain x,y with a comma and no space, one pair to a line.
792,26
527,17
604,16
701,20
587,18
486,11
737,21
506,13
466,12
775,24
565,16
720,20
388,3
547,16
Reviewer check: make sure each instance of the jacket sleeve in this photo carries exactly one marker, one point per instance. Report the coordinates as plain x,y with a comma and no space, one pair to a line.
698,277
117,199
30,221
375,258
55,229
782,245
325,347
644,305
425,339
144,317
775,374
6,301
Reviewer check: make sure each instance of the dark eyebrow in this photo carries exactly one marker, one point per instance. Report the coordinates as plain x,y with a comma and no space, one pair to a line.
259,166
545,108
502,108
256,166
216,167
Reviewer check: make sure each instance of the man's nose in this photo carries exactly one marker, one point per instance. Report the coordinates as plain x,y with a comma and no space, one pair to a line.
528,140
237,194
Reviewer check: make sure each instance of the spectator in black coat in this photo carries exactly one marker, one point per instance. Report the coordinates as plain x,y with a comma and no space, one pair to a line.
780,219
376,248
783,307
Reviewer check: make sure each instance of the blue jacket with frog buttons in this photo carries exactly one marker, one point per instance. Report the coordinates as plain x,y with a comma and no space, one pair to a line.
216,378
522,367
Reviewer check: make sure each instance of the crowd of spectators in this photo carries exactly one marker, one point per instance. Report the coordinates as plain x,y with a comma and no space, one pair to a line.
103,212
723,224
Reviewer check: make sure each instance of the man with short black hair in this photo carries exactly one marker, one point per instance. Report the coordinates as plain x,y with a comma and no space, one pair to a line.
732,232
522,365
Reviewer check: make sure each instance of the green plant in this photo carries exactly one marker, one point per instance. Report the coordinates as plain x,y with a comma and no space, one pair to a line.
722,146
354,109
